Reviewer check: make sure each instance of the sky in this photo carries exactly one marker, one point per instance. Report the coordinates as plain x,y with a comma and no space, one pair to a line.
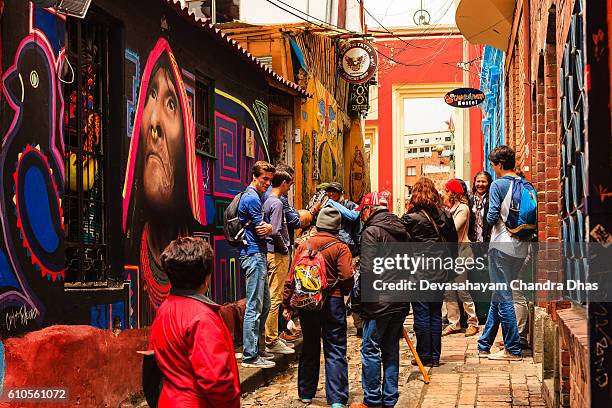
400,13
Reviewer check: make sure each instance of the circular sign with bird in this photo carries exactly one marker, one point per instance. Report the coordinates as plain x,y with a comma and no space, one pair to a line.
357,62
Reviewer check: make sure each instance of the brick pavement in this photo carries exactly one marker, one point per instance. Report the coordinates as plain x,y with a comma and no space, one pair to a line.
462,380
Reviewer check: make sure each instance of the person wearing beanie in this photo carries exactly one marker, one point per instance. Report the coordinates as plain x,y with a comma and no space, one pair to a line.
329,323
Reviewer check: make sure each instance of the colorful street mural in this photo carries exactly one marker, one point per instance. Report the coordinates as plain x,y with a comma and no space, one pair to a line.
321,145
32,265
170,191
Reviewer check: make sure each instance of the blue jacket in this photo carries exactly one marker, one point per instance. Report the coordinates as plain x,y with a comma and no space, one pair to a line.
250,209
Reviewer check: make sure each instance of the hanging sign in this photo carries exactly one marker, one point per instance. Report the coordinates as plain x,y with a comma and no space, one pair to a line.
359,98
357,62
464,97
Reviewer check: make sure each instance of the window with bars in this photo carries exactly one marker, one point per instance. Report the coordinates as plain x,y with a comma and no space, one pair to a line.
204,117
573,159
85,138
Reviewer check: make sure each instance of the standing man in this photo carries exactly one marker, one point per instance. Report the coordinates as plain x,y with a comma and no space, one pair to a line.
506,254
383,321
255,265
278,258
292,217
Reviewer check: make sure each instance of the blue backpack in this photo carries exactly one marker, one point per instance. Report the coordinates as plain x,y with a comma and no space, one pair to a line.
522,220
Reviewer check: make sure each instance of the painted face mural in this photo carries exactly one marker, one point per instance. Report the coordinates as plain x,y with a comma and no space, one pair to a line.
160,199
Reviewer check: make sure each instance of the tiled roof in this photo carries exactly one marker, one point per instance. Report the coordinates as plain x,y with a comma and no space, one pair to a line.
235,47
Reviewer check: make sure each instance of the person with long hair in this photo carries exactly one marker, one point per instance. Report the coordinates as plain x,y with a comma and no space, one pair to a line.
426,221
480,231
456,202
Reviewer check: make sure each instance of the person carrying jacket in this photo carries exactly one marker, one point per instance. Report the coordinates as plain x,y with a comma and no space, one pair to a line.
193,347
349,231
427,222
383,322
328,323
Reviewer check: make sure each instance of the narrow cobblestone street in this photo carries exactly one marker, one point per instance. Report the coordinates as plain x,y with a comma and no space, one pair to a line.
462,380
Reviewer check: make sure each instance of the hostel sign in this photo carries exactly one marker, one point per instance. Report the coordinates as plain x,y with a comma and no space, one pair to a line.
357,62
464,97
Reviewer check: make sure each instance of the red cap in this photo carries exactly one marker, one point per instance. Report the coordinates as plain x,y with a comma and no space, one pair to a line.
454,186
374,198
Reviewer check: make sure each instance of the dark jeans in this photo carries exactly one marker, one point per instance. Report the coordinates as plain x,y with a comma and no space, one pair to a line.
380,345
428,329
503,268
329,324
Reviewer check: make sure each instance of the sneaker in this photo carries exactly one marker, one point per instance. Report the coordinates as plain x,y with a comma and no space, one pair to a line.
286,343
259,363
338,405
305,400
266,356
483,354
434,363
504,355
279,348
449,330
423,361
471,331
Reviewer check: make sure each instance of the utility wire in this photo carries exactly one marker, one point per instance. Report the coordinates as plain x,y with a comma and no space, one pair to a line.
327,25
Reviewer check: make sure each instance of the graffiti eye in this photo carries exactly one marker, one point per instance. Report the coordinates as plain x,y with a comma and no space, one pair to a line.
171,104
154,93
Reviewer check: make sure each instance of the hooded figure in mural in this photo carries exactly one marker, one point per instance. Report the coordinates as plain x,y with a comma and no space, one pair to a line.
160,194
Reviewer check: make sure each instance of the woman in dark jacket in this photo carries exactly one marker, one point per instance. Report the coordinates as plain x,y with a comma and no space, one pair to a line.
426,221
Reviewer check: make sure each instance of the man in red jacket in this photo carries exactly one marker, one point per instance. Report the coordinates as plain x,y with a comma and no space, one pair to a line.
193,348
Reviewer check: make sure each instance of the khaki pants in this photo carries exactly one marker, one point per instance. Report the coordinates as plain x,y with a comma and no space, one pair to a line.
452,299
278,268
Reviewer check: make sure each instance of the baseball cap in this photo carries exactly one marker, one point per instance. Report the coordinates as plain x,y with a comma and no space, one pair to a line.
335,186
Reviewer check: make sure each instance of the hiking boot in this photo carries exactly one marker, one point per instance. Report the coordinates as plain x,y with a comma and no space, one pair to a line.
279,348
286,343
259,363
483,354
266,356
504,355
471,331
449,330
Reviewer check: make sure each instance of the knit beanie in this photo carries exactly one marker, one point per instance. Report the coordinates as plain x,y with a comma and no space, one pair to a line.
329,218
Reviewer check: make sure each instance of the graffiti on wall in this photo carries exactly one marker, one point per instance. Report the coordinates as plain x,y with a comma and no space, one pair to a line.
32,177
171,191
357,176
132,68
322,142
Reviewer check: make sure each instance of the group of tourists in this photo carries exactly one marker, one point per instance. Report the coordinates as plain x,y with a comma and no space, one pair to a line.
310,278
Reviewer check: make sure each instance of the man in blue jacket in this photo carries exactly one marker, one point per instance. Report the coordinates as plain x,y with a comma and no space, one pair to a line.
506,255
254,262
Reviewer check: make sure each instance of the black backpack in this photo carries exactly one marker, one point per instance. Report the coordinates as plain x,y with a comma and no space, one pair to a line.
232,229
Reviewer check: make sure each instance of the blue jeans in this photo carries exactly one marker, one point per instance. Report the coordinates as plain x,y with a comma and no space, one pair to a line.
329,323
428,329
380,345
503,268
255,267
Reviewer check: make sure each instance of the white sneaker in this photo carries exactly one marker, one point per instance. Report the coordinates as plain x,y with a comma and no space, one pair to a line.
259,363
504,355
266,356
279,348
286,343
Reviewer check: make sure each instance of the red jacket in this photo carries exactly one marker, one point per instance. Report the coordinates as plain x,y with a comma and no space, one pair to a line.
195,353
